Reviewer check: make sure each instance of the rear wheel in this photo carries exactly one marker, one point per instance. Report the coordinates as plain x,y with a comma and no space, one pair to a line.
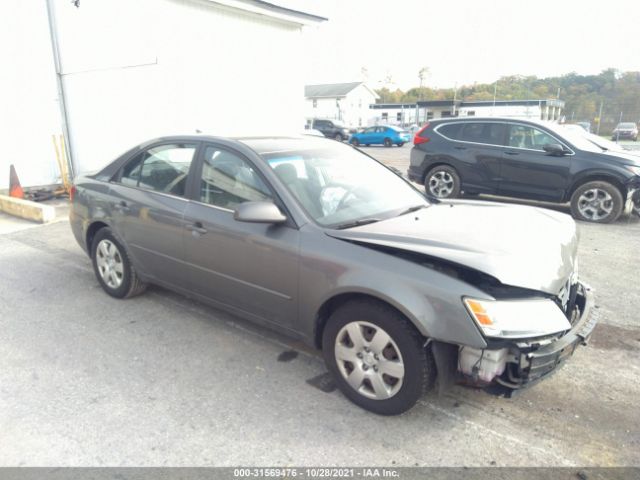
387,142
598,202
112,266
442,182
377,357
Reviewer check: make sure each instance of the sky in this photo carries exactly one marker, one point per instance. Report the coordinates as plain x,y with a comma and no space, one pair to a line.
467,41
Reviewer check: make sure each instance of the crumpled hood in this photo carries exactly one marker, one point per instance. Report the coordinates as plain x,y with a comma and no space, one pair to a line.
521,246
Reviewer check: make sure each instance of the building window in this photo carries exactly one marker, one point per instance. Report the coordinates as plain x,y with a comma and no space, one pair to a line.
385,116
315,103
446,113
471,113
359,103
429,115
399,116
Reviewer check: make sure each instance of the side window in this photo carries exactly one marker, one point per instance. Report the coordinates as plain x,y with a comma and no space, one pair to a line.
523,136
228,180
489,133
451,130
162,169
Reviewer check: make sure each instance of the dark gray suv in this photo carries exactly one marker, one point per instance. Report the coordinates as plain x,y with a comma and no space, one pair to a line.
524,159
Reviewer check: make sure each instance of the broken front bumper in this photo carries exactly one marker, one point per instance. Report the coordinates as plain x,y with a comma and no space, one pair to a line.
533,359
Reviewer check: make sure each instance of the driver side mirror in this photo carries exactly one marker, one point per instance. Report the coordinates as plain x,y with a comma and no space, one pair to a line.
555,149
258,212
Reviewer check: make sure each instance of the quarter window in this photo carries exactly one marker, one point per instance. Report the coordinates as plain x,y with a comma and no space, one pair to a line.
523,136
228,180
162,169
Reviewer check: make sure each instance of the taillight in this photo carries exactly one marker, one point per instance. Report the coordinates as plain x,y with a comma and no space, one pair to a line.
418,139
72,193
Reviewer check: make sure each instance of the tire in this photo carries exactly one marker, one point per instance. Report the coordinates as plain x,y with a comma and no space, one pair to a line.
404,345
442,182
355,142
107,253
401,144
387,142
597,202
367,145
338,137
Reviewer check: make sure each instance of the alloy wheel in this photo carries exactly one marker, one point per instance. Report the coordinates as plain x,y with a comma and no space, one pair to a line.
110,264
441,184
369,360
595,204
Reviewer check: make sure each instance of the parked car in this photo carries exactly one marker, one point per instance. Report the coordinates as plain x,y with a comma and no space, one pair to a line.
381,135
625,130
331,129
524,159
395,289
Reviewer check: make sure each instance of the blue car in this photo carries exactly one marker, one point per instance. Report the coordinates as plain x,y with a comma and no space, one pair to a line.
385,135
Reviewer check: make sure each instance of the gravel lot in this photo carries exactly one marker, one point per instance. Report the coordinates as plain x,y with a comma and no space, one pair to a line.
162,380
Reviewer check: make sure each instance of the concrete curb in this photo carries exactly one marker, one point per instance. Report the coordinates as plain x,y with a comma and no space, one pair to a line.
34,211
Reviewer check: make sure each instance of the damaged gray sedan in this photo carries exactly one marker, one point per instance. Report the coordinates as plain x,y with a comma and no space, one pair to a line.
321,242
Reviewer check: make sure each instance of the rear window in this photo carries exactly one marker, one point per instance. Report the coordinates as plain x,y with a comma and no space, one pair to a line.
489,133
450,131
397,129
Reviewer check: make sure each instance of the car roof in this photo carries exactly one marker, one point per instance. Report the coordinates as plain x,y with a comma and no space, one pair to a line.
493,119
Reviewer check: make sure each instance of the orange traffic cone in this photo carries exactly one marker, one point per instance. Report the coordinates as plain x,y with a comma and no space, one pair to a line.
15,190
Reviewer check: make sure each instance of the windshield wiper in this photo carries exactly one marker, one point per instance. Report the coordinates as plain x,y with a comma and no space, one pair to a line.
357,223
415,208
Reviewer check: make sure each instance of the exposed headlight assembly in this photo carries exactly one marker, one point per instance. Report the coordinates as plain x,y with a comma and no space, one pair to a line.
517,318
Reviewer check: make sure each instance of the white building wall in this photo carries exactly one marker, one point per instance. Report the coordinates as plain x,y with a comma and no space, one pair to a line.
29,110
511,111
389,116
137,70
353,109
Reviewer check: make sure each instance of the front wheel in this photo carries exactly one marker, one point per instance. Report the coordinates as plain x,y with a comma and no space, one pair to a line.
388,142
401,144
377,357
112,266
597,202
338,137
355,142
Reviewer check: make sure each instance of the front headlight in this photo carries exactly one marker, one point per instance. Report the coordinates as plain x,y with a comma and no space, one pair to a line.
517,318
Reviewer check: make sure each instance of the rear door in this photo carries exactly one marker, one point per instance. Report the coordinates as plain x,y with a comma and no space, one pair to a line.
527,171
477,148
250,267
147,208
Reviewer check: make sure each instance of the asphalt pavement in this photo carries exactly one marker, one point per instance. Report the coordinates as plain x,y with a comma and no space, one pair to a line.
87,380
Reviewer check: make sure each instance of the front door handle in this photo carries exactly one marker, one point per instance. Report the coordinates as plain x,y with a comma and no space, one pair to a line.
460,148
197,227
512,153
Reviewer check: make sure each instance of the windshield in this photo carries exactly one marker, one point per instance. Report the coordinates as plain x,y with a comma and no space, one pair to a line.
578,139
338,186
600,142
627,126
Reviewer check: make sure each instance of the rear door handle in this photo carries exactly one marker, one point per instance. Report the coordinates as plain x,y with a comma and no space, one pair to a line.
460,148
197,227
512,153
121,207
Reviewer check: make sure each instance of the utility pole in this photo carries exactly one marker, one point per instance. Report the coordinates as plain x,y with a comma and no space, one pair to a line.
55,47
599,119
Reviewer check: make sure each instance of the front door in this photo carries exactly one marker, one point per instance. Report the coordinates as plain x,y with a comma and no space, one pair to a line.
527,171
250,267
147,206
